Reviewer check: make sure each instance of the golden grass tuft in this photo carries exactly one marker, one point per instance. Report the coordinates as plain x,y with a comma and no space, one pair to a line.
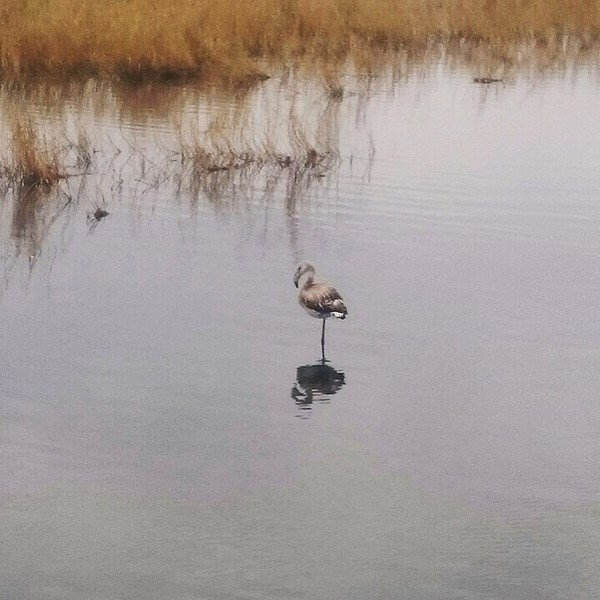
34,160
228,40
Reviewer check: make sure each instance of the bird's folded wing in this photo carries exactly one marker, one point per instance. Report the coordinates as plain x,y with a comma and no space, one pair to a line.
323,299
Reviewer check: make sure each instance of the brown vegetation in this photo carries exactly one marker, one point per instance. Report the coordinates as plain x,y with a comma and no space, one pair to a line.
34,160
230,39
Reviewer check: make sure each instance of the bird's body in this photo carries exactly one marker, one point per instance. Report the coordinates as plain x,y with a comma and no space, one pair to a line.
322,301
319,300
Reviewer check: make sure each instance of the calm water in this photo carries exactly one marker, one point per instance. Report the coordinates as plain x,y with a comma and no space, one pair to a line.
167,431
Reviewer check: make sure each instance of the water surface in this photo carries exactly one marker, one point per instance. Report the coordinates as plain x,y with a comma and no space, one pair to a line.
167,431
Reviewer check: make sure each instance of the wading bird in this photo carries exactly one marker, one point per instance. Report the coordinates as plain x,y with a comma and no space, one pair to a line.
319,300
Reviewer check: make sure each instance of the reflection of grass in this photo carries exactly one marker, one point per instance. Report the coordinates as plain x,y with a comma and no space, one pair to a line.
239,135
228,159
216,154
138,39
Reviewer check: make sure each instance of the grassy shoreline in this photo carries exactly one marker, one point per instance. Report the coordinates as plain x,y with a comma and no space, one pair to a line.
228,40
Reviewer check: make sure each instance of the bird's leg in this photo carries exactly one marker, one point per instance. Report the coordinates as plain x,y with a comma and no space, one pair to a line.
323,341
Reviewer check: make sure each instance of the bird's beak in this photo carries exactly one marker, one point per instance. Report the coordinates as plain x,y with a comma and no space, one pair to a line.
296,283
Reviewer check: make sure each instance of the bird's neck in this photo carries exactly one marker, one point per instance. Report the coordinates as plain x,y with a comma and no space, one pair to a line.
309,280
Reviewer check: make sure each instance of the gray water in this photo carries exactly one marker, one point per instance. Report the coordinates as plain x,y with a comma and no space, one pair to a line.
168,432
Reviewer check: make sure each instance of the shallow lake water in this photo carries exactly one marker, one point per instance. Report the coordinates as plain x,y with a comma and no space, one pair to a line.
167,428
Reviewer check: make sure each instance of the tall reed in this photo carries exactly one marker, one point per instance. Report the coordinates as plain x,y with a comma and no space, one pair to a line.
228,39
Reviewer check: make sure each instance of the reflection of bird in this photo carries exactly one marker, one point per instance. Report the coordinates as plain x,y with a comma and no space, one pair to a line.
319,300
316,382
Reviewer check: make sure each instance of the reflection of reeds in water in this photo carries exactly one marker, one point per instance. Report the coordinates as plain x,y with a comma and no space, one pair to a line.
35,213
237,137
141,39
233,153
58,163
207,158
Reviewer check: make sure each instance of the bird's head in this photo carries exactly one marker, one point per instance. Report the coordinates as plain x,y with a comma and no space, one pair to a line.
303,269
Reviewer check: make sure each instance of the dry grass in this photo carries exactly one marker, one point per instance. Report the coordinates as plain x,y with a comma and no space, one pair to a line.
34,160
35,155
229,39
